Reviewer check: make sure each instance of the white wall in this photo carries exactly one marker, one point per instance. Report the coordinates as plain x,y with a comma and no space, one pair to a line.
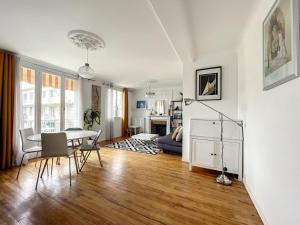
137,115
272,130
228,104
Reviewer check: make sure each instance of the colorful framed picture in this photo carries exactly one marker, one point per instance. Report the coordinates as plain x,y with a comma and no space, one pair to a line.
209,84
281,44
141,104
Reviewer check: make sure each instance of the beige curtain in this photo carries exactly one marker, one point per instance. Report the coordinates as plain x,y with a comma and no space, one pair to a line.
125,113
7,91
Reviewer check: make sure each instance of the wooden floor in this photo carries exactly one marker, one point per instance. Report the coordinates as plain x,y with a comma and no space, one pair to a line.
131,188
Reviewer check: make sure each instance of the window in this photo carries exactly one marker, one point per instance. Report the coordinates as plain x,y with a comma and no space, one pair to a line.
50,117
117,103
49,99
27,85
70,103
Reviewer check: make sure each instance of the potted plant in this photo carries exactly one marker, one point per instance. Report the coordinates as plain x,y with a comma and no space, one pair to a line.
90,117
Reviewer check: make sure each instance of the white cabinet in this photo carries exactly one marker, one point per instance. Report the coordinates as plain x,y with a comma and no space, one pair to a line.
206,148
203,152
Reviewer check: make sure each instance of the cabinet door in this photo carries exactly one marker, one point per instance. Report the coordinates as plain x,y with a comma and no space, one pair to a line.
205,128
231,156
202,153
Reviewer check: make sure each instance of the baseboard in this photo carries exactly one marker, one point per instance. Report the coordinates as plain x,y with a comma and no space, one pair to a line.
260,213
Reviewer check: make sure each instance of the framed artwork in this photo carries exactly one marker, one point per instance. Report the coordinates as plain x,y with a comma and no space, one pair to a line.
209,84
96,98
141,104
281,44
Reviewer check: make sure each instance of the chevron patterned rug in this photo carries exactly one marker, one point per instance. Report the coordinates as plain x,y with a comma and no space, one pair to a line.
136,145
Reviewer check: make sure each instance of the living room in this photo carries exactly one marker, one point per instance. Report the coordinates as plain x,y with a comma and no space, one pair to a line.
149,112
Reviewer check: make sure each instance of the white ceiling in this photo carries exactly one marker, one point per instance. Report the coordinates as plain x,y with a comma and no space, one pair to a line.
140,44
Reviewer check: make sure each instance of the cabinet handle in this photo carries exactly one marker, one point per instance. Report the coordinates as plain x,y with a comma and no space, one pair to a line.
211,154
214,122
215,154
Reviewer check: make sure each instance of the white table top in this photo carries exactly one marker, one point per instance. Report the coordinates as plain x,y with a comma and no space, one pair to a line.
71,135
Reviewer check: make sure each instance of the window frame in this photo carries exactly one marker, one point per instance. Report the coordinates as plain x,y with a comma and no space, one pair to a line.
39,68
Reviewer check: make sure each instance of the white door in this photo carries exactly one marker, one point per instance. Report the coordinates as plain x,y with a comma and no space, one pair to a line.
203,153
231,156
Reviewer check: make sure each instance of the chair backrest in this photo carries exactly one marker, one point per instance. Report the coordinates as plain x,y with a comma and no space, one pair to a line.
73,129
96,138
54,144
25,133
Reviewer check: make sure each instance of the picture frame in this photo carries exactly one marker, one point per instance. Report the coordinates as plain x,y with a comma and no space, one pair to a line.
141,104
281,44
209,84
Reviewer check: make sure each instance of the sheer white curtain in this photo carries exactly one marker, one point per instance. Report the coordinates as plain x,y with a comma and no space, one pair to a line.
18,117
79,97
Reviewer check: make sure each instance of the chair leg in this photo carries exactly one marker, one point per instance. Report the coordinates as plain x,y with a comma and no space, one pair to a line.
99,157
37,153
51,165
70,171
46,163
85,159
76,164
20,166
37,179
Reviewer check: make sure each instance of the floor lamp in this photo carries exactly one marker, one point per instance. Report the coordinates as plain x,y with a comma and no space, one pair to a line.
222,178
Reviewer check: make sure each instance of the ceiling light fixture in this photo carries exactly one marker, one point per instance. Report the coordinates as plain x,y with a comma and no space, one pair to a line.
89,42
149,93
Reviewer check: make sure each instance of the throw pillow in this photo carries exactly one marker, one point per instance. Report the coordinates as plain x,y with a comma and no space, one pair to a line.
179,135
175,133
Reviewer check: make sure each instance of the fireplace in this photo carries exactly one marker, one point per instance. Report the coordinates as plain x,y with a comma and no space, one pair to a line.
159,127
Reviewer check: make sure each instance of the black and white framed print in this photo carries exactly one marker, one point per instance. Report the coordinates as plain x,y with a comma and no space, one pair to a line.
281,44
209,84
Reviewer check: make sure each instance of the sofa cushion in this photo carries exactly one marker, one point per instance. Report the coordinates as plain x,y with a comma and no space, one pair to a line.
175,133
179,135
168,140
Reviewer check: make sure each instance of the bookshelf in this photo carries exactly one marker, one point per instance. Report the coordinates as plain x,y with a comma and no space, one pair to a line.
176,114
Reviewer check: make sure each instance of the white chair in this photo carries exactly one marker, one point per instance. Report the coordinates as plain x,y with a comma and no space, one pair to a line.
28,146
89,148
55,145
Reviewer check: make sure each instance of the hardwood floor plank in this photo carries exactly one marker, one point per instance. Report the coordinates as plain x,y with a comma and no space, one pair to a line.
131,188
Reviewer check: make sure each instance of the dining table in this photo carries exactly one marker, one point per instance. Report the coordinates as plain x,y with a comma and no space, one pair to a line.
71,135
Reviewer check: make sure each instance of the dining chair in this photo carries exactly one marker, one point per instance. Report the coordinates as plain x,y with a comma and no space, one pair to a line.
55,145
88,148
28,146
72,143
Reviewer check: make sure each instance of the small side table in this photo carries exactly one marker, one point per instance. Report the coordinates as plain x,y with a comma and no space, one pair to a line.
133,127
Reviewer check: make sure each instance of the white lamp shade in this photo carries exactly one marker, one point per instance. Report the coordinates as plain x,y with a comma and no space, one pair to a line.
86,72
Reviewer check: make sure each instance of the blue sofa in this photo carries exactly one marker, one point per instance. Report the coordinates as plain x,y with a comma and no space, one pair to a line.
168,145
